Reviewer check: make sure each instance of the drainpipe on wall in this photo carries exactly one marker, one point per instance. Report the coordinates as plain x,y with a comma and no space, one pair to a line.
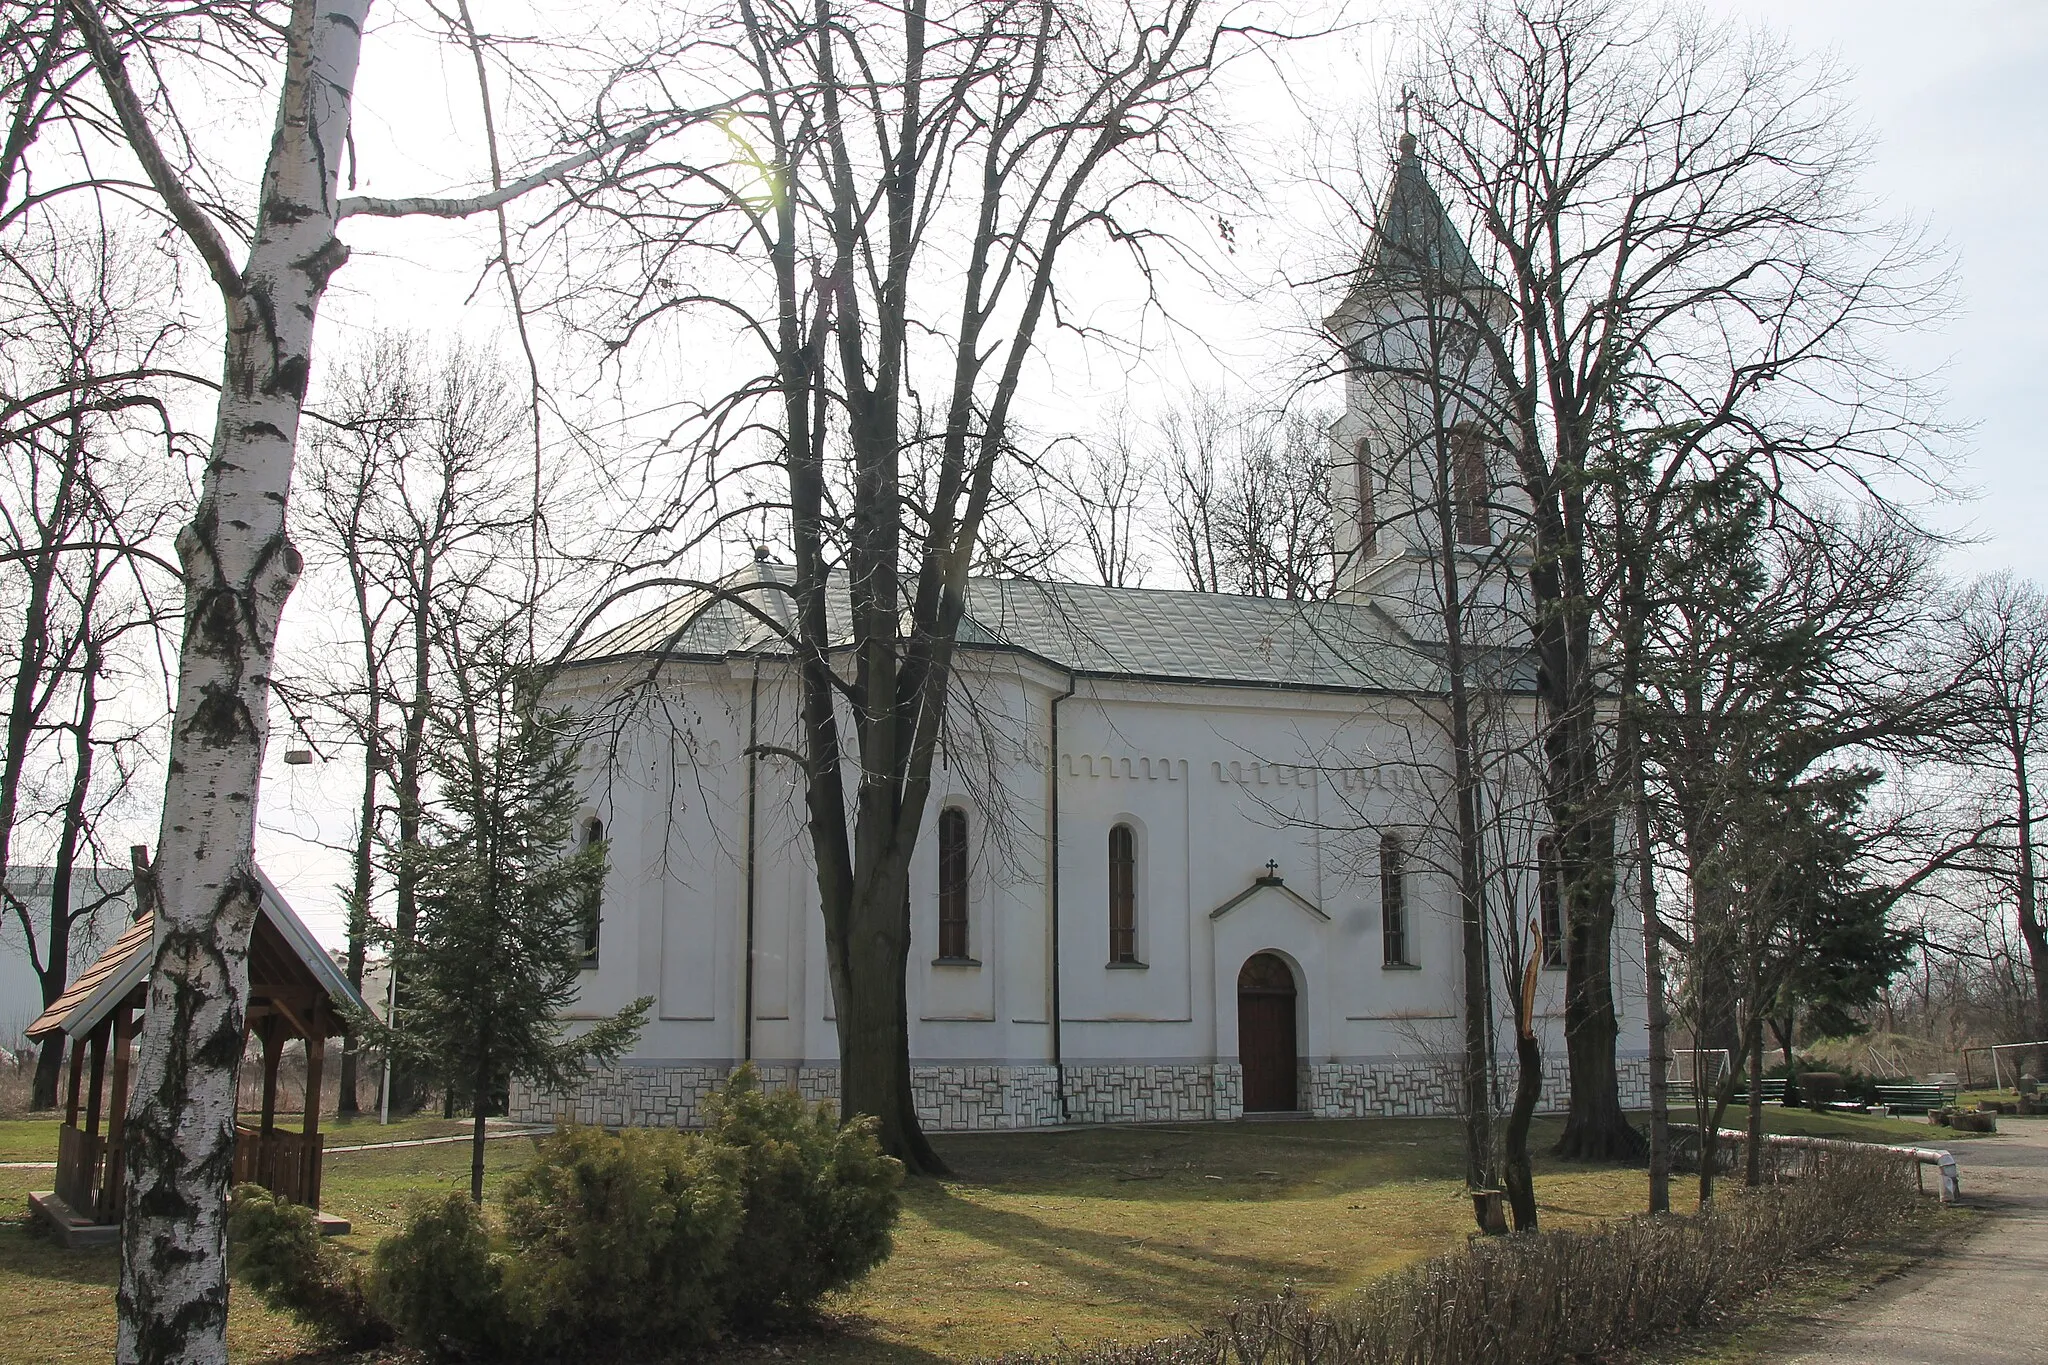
1052,873
753,788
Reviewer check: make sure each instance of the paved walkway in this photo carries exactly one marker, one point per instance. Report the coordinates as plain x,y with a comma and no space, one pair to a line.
1985,1301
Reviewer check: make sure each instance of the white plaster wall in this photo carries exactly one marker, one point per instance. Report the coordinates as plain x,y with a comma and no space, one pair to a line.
1215,780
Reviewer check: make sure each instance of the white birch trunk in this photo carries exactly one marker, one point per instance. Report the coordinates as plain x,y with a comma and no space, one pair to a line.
239,567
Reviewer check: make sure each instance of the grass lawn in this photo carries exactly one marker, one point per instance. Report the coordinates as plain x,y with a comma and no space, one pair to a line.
36,1139
1082,1236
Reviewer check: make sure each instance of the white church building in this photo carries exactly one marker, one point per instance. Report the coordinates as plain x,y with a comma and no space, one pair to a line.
1184,857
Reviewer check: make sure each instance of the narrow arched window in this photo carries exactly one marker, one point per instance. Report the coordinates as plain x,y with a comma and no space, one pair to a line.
1123,894
593,903
1368,528
952,883
1394,903
1471,488
1550,901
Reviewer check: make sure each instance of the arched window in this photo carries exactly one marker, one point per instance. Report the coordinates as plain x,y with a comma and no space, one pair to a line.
1550,901
1471,488
1368,527
593,904
1394,903
952,884
1123,895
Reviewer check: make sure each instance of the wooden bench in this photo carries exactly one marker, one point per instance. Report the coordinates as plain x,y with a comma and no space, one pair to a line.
1915,1099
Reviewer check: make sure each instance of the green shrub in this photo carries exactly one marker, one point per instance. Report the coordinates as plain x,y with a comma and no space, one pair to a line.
274,1248
437,1282
619,1241
820,1198
647,1241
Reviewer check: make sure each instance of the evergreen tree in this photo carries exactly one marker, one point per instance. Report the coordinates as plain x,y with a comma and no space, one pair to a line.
505,902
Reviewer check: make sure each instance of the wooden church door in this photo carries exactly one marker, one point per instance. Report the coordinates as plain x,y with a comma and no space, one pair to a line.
1265,1034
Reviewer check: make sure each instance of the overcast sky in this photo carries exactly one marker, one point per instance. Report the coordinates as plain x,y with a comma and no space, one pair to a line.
1956,96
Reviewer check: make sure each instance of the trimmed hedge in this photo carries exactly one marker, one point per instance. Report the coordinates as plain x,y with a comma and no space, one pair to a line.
620,1242
438,1282
1546,1297
820,1200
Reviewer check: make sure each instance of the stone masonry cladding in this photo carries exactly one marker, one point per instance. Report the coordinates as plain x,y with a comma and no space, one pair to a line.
989,1096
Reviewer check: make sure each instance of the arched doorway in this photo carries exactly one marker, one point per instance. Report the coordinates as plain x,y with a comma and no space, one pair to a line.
1265,1033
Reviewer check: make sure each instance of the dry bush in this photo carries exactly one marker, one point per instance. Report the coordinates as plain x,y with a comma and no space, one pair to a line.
16,1082
1555,1296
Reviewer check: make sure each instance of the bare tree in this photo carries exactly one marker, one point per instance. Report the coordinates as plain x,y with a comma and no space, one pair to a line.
1422,538
914,180
82,444
1111,489
2003,628
1247,500
1668,205
409,505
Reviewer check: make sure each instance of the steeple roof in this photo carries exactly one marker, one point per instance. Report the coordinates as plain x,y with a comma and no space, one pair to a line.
1414,242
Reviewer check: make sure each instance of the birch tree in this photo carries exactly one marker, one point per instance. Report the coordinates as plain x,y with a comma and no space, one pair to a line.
238,565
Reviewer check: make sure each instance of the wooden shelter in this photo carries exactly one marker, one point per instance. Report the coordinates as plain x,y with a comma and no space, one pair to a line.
295,991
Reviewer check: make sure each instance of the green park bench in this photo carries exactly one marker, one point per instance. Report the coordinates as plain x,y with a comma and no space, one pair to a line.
1915,1099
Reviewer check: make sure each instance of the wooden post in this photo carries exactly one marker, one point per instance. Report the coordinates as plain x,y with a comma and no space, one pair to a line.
273,1048
117,1095
99,1067
316,1052
77,1079
241,1061
117,1110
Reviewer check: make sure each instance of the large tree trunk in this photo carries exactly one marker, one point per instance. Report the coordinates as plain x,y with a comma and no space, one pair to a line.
239,568
2031,929
1596,1128
1516,1174
57,951
32,650
359,892
1659,1007
874,1024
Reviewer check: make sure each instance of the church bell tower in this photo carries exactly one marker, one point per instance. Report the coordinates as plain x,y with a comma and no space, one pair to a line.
1418,454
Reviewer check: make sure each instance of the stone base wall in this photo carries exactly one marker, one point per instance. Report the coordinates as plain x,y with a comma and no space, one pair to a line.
994,1096
1387,1088
1139,1093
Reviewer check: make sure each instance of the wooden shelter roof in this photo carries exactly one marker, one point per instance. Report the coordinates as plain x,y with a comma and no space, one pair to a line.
286,964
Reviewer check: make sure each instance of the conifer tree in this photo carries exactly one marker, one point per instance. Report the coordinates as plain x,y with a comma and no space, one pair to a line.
505,903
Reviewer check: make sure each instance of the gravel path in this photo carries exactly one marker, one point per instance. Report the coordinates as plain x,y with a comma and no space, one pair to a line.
1985,1301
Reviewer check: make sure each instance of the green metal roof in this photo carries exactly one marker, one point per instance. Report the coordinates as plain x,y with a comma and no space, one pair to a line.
1126,632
